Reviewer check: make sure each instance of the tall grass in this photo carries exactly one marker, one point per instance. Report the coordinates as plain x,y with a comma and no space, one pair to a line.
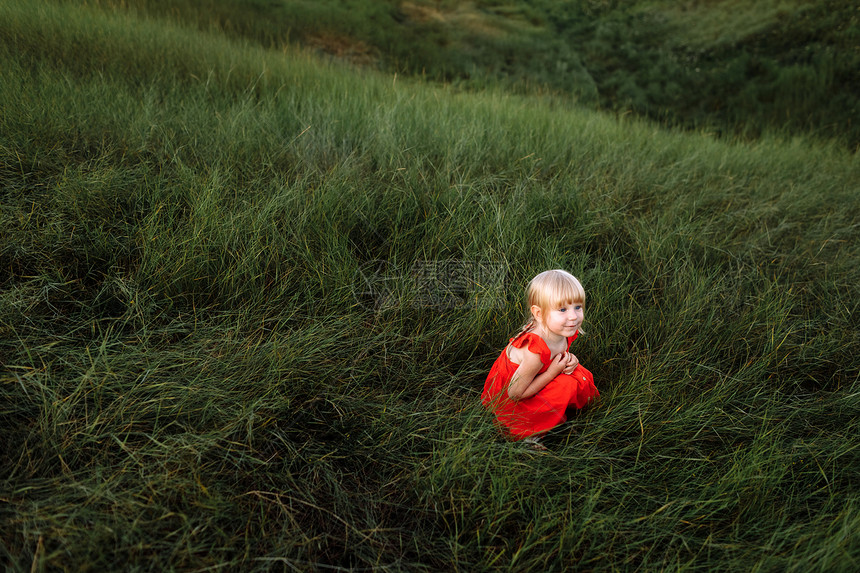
735,68
216,354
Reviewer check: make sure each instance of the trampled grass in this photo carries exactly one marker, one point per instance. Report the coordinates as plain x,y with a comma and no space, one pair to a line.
248,300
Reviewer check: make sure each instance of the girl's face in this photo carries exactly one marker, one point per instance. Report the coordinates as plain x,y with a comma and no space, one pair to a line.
563,320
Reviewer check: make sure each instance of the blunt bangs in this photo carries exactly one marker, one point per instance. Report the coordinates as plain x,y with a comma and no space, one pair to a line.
552,289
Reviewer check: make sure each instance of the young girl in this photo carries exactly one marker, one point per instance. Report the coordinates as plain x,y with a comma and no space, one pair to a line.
535,379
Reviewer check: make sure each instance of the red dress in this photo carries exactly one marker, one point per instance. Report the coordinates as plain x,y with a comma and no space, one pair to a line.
544,410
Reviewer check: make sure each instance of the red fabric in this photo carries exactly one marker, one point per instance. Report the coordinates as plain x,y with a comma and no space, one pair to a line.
544,410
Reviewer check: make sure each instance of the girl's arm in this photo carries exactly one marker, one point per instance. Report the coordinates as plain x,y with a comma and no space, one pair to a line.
526,382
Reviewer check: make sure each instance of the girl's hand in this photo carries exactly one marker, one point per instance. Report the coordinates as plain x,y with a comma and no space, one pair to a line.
558,363
571,364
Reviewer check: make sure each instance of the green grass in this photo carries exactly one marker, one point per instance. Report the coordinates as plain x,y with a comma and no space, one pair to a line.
738,69
216,354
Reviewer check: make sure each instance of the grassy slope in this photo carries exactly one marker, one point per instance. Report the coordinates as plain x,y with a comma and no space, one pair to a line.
733,67
192,379
740,67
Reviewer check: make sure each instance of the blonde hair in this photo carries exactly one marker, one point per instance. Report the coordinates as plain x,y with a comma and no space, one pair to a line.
551,289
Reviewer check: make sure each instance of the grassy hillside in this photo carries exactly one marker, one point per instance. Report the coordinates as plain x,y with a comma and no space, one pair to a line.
730,67
784,66
248,299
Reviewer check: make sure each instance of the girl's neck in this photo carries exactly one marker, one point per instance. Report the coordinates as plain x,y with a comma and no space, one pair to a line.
549,337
